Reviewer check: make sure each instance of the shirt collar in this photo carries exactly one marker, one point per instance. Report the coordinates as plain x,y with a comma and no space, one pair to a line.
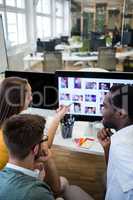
23,170
122,134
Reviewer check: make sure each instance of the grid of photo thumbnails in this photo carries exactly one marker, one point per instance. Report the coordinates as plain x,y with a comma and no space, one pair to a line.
85,95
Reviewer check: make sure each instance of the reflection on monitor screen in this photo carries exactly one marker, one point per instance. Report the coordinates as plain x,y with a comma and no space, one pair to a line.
44,91
85,91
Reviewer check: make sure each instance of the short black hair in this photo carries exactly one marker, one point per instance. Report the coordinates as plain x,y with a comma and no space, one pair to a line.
22,132
123,98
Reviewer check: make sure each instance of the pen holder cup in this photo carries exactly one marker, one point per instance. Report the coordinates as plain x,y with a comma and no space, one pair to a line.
66,131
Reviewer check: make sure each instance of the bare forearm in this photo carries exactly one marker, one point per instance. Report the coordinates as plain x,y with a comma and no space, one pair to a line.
52,130
52,177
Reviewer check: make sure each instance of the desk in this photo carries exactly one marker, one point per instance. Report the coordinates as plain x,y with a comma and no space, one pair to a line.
78,130
30,60
123,55
74,57
62,47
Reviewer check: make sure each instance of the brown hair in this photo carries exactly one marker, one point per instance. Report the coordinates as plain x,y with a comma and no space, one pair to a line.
12,97
22,132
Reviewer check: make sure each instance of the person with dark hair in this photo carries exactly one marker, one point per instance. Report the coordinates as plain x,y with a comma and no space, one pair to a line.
23,135
15,97
118,147
116,36
27,146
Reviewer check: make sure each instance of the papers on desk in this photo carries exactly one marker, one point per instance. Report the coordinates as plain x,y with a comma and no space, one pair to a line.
85,134
84,142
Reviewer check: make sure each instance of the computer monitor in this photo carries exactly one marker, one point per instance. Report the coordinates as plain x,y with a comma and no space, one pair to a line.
127,38
85,91
40,46
43,88
96,41
64,39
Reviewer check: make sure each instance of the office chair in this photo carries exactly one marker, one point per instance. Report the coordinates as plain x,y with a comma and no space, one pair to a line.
52,61
93,69
106,58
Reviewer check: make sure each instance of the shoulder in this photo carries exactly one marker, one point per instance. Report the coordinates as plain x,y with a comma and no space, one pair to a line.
2,139
3,151
40,190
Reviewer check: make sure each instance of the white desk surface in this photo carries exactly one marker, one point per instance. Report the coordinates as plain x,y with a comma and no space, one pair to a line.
125,54
29,60
35,57
76,57
78,129
62,47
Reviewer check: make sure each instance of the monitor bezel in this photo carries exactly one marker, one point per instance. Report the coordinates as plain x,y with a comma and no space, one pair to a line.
86,74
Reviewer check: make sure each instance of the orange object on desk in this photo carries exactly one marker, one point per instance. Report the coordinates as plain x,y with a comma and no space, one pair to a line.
81,141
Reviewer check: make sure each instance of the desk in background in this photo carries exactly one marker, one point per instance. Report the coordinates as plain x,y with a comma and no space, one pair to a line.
79,129
93,57
30,60
62,47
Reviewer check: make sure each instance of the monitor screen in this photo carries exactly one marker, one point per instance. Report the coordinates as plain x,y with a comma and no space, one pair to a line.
43,86
85,91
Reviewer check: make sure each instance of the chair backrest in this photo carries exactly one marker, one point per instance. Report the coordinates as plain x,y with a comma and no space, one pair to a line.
106,58
93,69
53,61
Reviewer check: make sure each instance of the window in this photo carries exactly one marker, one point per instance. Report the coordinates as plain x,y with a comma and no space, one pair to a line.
16,3
43,26
66,17
59,17
44,19
12,28
10,3
20,4
14,19
59,8
1,1
16,28
52,18
44,6
59,26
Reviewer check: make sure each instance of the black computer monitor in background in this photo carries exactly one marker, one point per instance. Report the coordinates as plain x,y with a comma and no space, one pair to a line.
39,45
43,86
96,41
57,41
64,39
127,37
43,46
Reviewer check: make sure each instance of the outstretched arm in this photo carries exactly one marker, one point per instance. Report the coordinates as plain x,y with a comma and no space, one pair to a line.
55,123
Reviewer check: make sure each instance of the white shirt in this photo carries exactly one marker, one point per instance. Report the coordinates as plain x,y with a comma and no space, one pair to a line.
23,170
120,166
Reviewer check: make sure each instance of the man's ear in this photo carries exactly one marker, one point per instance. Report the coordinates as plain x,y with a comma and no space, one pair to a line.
35,150
122,113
